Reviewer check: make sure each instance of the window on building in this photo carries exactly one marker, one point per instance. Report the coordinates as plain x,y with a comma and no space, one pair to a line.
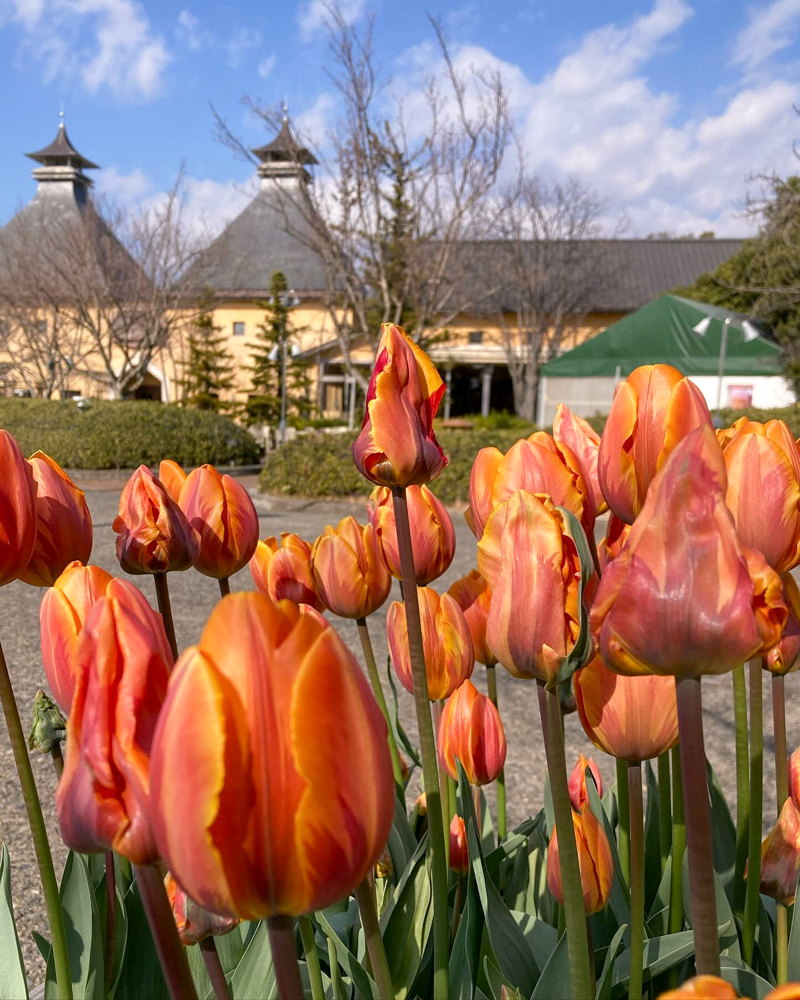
238,329
41,327
476,336
69,393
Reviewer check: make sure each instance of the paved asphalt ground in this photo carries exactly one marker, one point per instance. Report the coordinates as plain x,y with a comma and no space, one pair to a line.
194,595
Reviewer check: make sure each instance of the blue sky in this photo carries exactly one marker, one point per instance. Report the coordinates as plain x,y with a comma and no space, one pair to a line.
663,106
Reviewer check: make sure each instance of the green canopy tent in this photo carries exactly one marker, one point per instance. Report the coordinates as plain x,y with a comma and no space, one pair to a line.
662,332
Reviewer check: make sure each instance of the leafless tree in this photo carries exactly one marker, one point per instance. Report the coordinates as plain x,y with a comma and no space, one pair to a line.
552,264
94,294
399,197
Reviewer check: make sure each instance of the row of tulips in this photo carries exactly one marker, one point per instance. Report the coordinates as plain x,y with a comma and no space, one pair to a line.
255,780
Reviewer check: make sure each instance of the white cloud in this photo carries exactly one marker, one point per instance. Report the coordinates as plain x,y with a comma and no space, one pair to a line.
192,33
239,43
106,44
266,66
316,121
313,14
768,30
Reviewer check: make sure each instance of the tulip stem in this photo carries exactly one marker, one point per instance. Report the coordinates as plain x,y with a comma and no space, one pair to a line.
284,957
164,606
572,888
171,953
637,880
58,759
678,849
436,708
500,783
753,885
664,808
374,941
698,827
458,905
377,690
623,821
308,937
782,794
41,845
742,787
224,585
216,974
111,920
430,772
336,976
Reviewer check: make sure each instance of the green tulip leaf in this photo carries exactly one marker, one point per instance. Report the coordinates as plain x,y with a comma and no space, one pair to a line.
400,735
406,932
465,954
84,933
361,978
794,947
660,954
540,936
724,828
729,938
619,901
652,839
496,980
555,982
402,843
12,968
747,982
254,976
141,974
582,650
606,981
120,929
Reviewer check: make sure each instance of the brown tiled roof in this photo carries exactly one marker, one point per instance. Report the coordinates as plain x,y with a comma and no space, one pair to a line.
61,149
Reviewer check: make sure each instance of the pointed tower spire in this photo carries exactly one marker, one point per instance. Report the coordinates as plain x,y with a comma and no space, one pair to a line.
62,164
284,159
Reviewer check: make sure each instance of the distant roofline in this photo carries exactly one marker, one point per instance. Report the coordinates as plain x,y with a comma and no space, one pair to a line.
61,149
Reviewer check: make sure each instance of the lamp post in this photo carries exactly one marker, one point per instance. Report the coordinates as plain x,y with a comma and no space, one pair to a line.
749,332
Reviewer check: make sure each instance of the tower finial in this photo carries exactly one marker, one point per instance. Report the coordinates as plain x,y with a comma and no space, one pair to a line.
285,111
61,114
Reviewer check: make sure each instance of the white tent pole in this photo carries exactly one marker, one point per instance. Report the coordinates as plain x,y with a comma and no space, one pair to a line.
723,350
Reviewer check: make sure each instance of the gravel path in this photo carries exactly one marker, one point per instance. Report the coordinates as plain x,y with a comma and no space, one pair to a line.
192,598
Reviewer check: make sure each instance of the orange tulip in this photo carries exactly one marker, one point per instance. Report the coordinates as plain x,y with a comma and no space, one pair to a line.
789,991
63,523
459,849
794,777
785,657
445,639
594,860
615,538
577,782
284,572
583,440
219,508
763,465
194,923
470,729
527,555
702,988
684,597
172,478
780,856
397,446
653,410
103,797
349,572
62,613
631,718
432,536
473,596
539,465
271,753
18,514
153,533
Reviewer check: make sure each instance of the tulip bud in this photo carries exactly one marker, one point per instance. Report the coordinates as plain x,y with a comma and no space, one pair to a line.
220,510
459,850
763,466
684,597
350,575
510,993
785,657
172,478
153,533
383,867
272,751
526,554
539,465
630,718
63,523
594,860
18,520
702,988
780,856
473,596
124,660
433,538
421,805
653,410
445,640
283,572
470,729
49,725
194,923
578,795
397,446
789,991
794,777
583,440
63,611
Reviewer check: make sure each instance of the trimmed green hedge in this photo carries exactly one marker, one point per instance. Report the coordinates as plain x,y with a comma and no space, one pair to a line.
124,435
321,465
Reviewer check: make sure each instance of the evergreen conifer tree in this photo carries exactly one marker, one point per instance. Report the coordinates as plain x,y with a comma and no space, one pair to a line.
208,370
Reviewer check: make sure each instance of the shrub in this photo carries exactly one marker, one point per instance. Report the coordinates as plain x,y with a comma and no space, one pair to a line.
124,435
